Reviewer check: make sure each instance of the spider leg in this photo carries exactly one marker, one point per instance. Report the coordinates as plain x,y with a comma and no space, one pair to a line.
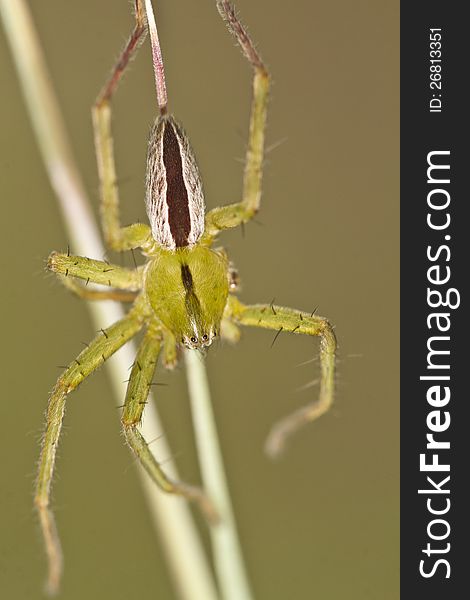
87,294
136,398
241,212
170,349
100,349
117,237
229,331
94,271
290,320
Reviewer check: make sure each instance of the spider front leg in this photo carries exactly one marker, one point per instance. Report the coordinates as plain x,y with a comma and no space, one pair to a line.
136,398
117,237
232,215
292,321
101,348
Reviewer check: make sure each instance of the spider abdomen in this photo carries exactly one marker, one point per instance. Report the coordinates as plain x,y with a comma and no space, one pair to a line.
174,195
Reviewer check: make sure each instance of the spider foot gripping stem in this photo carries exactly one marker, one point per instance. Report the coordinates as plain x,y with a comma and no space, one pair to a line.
117,237
292,321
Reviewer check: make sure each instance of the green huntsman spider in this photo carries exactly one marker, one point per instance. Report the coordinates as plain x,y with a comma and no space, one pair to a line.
183,295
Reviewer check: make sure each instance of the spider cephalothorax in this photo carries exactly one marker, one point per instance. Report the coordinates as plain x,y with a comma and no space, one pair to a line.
185,291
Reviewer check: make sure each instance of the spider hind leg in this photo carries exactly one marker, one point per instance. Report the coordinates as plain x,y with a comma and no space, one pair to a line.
232,215
138,234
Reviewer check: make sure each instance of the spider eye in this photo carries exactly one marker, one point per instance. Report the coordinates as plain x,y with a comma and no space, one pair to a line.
205,337
182,340
193,340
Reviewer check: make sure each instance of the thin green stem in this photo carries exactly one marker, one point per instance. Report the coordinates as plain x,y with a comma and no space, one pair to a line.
183,548
228,558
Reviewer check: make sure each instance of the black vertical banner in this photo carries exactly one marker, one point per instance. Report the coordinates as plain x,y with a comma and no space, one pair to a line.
435,331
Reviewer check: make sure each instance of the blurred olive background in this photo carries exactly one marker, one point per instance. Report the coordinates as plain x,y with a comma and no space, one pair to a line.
323,521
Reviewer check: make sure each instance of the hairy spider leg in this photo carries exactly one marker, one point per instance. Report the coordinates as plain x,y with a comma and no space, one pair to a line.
136,398
88,294
293,321
138,234
95,271
100,349
228,330
232,215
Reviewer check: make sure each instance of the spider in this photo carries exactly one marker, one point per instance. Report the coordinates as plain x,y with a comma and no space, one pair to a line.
184,295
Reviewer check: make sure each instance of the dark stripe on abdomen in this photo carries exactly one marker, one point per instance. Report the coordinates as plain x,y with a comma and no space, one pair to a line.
176,194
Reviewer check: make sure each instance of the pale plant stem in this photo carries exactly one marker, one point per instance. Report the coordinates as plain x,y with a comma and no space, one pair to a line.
228,558
186,558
